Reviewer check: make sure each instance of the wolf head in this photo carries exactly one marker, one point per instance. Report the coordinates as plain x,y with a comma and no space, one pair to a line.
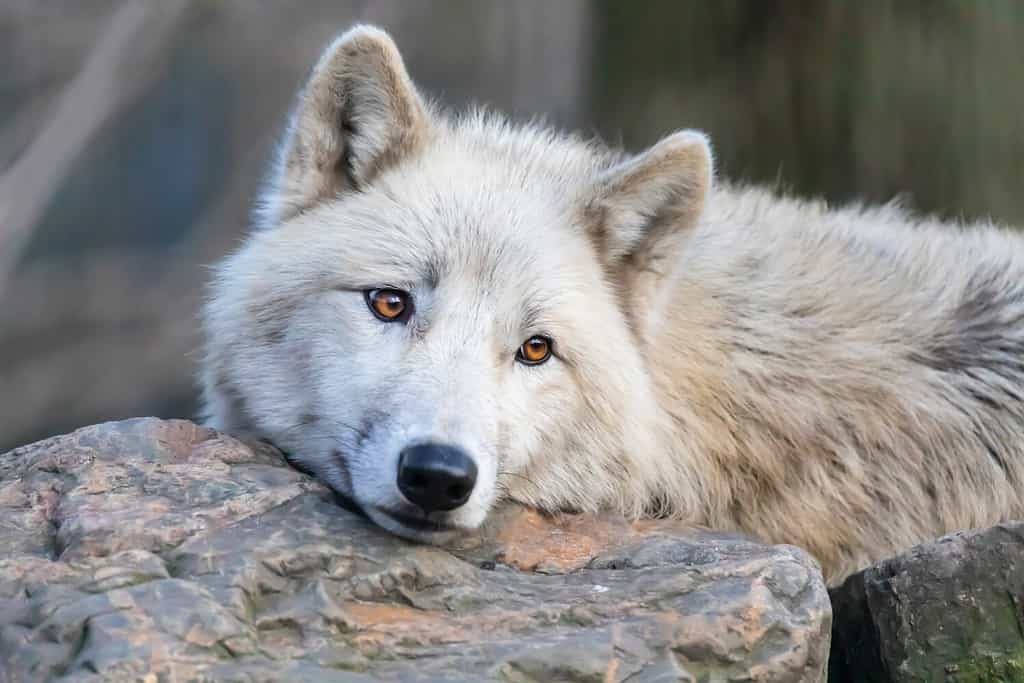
436,312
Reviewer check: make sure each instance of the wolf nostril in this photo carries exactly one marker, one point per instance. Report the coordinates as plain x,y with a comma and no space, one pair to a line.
436,476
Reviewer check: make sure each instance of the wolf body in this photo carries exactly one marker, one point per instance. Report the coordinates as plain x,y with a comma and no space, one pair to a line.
846,380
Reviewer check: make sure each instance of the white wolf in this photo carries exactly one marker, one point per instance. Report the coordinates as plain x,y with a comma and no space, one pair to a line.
436,312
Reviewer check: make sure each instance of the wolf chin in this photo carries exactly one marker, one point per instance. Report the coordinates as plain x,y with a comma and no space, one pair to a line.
436,312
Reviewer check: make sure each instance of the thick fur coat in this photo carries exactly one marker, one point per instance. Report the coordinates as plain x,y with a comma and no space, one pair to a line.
846,380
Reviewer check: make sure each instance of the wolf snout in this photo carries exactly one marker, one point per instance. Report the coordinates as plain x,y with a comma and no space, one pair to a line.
436,477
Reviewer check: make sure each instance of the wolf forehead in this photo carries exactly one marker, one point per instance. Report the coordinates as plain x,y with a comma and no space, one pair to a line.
499,247
443,210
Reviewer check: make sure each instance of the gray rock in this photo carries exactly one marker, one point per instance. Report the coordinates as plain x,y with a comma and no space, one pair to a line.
944,611
148,550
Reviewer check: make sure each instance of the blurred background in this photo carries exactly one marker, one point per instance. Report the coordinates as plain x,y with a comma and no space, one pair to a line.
134,136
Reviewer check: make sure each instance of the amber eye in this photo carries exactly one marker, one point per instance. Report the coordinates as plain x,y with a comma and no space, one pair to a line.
389,305
534,350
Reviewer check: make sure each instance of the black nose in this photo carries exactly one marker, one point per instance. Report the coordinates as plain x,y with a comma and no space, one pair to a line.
435,476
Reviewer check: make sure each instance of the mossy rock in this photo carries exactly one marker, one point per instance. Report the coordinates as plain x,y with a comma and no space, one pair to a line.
948,611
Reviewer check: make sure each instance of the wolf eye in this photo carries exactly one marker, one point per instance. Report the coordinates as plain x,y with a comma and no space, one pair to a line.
534,350
389,305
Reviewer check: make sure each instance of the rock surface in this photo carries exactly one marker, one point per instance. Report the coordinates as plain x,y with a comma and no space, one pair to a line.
148,550
944,611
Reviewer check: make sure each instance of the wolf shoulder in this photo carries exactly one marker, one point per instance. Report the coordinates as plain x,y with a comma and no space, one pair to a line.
873,268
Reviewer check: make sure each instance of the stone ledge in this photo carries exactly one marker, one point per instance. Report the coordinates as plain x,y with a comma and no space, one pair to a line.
147,548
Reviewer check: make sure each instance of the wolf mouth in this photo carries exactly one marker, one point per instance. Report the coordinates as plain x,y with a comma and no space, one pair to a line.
414,523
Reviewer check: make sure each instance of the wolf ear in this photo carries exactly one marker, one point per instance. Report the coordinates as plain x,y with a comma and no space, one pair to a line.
645,208
357,113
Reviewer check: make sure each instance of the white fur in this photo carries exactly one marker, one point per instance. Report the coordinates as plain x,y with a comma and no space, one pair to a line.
847,380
